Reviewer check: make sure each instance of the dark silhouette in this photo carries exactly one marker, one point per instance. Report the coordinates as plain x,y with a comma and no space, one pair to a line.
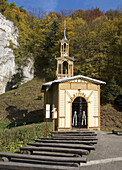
19,117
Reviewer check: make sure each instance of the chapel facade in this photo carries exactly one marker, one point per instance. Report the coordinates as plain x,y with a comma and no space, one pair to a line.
76,98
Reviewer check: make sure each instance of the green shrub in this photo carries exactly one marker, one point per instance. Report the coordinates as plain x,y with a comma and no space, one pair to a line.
12,139
3,126
17,78
40,97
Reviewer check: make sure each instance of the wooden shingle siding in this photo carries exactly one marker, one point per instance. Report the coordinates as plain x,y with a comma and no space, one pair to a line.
95,103
62,96
62,104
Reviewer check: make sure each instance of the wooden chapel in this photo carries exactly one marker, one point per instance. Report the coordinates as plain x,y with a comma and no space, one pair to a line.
76,98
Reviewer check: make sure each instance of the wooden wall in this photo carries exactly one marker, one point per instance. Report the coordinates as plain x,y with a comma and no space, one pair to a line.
90,92
63,94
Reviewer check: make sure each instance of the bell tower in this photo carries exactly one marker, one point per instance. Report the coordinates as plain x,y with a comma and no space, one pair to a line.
64,62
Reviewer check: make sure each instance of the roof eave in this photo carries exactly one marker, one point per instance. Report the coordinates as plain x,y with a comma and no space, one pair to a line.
71,58
49,84
65,40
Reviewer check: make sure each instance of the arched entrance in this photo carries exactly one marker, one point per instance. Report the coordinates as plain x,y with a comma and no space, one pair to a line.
79,113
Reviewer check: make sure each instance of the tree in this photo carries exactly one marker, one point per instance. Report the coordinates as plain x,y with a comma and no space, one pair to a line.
112,90
66,12
17,79
45,56
111,14
3,5
49,58
88,15
95,41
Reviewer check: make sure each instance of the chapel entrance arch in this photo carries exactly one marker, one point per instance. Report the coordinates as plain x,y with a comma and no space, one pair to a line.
79,113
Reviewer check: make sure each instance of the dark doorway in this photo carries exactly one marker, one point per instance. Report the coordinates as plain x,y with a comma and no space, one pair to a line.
79,113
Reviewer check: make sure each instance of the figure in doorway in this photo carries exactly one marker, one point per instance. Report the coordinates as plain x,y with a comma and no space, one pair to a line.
84,118
74,122
79,116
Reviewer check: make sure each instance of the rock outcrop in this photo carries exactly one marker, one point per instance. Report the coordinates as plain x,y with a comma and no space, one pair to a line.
28,70
7,60
9,33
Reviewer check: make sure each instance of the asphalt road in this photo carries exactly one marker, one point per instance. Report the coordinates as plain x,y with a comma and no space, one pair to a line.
108,153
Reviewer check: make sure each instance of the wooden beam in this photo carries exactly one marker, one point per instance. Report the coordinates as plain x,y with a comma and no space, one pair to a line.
44,158
28,166
55,149
99,105
74,134
87,138
66,141
64,145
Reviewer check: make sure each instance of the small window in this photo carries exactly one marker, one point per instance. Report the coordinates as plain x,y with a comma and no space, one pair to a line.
65,67
70,69
64,46
59,69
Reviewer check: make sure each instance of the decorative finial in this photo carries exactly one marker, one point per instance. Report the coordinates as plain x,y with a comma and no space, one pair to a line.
65,28
64,38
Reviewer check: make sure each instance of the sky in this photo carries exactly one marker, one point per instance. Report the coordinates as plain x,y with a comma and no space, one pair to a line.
56,5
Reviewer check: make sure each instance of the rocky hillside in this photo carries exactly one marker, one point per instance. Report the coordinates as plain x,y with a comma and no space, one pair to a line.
23,105
110,118
8,68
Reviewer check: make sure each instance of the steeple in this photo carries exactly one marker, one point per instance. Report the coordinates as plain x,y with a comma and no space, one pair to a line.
64,63
64,38
64,49
65,29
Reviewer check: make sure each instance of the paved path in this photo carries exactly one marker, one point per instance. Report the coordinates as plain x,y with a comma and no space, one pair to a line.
108,153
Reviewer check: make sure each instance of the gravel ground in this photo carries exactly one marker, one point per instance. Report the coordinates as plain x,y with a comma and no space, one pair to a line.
108,146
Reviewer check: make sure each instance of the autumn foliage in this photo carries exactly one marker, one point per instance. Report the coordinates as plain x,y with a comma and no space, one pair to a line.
95,41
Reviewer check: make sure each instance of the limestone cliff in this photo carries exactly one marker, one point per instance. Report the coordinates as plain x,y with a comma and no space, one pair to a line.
9,32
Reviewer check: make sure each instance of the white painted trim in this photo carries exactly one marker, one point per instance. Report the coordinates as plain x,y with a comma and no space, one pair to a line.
73,78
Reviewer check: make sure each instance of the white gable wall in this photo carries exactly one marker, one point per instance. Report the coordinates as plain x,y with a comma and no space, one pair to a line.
65,107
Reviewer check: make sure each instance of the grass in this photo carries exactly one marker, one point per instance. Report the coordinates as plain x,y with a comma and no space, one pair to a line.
21,114
12,139
23,105
110,118
3,126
